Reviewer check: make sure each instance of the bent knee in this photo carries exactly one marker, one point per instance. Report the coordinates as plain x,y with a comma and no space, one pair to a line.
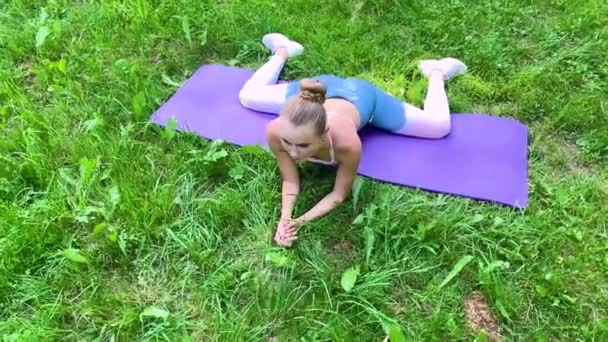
245,97
261,99
441,128
434,128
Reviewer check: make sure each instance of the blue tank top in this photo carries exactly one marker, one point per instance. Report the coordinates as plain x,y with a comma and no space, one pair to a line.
359,92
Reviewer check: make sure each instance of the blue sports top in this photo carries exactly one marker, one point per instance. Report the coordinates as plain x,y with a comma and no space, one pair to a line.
373,103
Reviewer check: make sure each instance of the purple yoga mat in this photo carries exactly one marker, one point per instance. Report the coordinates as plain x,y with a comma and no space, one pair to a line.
484,157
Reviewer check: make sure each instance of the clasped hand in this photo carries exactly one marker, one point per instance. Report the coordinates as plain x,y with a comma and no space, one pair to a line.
287,231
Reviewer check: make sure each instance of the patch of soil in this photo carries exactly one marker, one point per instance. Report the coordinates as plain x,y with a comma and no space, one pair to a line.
155,57
479,316
558,152
26,66
572,152
342,251
397,308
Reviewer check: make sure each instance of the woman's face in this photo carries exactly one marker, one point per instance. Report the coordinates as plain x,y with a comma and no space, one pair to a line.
301,142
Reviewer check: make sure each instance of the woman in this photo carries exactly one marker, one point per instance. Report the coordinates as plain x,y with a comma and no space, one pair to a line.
319,120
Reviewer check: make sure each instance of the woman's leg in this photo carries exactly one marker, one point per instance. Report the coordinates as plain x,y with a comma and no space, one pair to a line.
261,92
434,120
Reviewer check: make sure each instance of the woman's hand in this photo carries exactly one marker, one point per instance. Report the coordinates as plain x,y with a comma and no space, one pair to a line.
286,233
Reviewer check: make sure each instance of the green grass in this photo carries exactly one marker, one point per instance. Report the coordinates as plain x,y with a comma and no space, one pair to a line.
111,227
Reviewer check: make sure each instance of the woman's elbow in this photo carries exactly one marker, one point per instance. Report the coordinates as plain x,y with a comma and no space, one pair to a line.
340,197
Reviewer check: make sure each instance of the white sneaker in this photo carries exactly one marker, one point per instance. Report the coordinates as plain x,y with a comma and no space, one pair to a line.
273,41
450,67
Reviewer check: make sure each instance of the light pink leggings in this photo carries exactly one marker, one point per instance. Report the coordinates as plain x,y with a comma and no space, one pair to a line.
262,93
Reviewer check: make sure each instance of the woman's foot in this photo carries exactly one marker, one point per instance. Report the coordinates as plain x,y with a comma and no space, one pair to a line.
274,41
449,67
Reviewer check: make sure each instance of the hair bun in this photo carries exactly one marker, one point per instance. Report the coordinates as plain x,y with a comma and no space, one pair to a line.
312,90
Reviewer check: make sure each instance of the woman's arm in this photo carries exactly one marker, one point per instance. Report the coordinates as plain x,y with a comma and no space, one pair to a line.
290,186
345,177
289,194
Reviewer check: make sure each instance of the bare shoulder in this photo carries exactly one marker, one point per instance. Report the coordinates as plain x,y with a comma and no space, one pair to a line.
271,127
272,135
347,142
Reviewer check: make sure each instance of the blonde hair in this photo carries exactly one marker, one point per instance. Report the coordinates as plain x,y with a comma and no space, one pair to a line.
307,107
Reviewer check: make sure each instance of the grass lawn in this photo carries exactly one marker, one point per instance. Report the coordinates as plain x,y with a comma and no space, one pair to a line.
112,229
